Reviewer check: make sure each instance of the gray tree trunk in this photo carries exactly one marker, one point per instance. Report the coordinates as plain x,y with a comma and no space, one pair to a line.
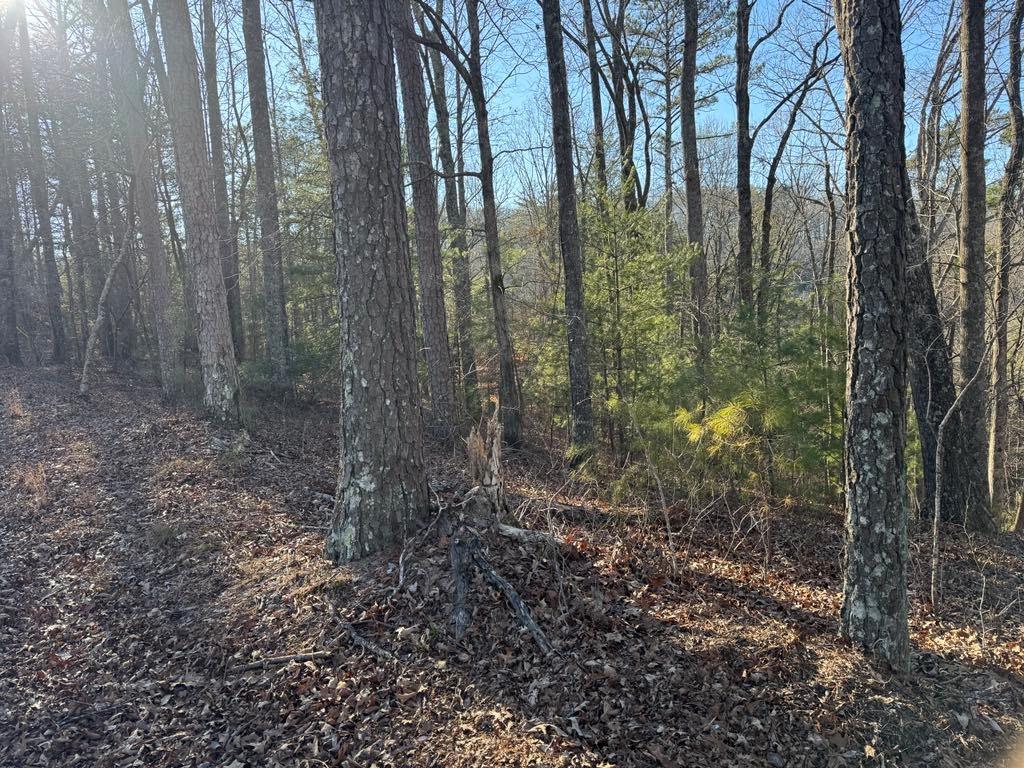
874,611
11,346
41,198
382,488
440,379
580,405
456,215
227,245
972,256
509,405
596,106
274,310
199,204
694,200
744,206
1008,210
129,87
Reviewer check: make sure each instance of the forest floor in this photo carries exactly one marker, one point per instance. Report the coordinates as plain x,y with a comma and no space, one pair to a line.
150,563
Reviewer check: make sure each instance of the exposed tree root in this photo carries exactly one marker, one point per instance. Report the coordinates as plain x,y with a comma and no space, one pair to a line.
487,506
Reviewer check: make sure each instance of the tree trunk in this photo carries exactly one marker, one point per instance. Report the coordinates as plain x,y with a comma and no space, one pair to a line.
694,201
274,310
1008,207
456,215
440,381
11,346
199,204
510,408
744,206
129,87
41,198
227,246
595,96
382,489
874,611
931,378
98,323
972,255
569,236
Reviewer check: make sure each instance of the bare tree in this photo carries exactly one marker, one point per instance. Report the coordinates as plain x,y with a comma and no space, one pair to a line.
569,235
469,65
41,195
129,88
1008,210
8,268
274,312
440,381
199,204
455,212
228,246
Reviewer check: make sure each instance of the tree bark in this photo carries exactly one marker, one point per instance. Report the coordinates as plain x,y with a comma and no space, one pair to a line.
874,611
227,245
382,489
274,310
931,379
596,107
456,214
41,198
972,255
569,236
509,405
744,206
440,380
1008,206
129,87
199,204
694,201
11,346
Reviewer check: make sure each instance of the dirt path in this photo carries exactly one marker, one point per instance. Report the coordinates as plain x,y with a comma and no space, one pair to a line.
146,558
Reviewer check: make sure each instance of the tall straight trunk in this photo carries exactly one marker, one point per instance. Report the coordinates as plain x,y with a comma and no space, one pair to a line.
744,206
199,204
228,246
666,61
440,379
119,329
694,201
382,489
509,405
456,215
569,236
41,198
10,345
972,255
129,86
274,310
71,149
931,378
1008,206
874,611
597,110
624,105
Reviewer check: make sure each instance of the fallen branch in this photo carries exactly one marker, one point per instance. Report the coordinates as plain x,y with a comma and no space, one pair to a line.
467,553
369,645
515,602
276,660
353,633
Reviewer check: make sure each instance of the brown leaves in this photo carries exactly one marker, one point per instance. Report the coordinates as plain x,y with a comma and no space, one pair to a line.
160,565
